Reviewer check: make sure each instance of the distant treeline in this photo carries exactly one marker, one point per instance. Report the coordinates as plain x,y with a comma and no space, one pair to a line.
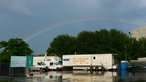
100,41
86,42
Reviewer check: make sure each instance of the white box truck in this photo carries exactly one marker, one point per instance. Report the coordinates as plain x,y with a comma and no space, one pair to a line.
89,61
52,62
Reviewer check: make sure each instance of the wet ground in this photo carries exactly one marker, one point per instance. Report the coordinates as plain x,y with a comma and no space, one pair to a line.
83,76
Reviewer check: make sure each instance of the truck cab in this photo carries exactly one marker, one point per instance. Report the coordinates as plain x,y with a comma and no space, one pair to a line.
40,66
53,63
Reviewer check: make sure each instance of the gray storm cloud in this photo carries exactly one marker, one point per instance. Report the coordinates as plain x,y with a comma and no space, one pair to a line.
17,16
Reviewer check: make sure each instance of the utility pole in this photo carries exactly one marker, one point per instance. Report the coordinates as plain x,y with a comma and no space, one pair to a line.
75,53
125,53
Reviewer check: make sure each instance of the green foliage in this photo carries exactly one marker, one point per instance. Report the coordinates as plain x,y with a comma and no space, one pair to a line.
102,41
85,41
13,47
62,44
4,80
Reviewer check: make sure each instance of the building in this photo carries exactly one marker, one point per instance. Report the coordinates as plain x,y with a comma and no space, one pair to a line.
138,33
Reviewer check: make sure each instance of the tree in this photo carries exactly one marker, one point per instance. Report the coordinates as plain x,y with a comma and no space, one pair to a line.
13,47
62,44
85,42
137,48
120,43
101,41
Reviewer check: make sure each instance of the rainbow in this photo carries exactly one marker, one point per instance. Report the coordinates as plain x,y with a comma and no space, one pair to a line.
38,32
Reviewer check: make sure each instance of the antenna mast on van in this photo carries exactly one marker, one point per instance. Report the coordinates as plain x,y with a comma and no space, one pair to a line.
45,56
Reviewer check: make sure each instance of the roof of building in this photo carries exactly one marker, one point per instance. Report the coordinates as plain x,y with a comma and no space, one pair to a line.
139,32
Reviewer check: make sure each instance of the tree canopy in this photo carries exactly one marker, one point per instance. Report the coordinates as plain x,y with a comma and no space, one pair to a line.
62,44
100,41
13,47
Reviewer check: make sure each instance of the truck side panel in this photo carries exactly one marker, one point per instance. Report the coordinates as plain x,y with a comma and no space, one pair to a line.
76,60
105,60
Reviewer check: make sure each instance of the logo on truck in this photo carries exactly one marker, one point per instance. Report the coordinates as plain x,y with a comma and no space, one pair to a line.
80,59
66,59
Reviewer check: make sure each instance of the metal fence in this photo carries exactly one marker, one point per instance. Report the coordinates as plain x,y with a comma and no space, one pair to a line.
6,70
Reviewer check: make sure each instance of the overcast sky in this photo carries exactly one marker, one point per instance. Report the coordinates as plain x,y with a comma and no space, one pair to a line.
39,21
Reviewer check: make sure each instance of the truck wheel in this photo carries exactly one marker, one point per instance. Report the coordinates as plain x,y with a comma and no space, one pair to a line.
41,70
91,68
96,68
102,69
47,69
57,68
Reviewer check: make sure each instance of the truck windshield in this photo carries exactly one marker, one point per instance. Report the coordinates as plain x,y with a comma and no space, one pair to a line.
57,63
42,63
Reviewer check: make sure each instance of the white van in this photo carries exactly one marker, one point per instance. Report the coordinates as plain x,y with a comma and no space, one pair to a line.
52,62
40,66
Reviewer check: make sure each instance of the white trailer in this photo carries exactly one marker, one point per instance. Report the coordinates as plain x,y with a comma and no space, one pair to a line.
89,61
52,62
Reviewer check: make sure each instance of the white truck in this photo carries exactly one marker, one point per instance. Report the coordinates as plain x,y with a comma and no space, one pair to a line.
89,61
52,62
39,66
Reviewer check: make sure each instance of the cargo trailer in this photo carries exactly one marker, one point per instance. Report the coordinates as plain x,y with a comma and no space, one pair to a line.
89,61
